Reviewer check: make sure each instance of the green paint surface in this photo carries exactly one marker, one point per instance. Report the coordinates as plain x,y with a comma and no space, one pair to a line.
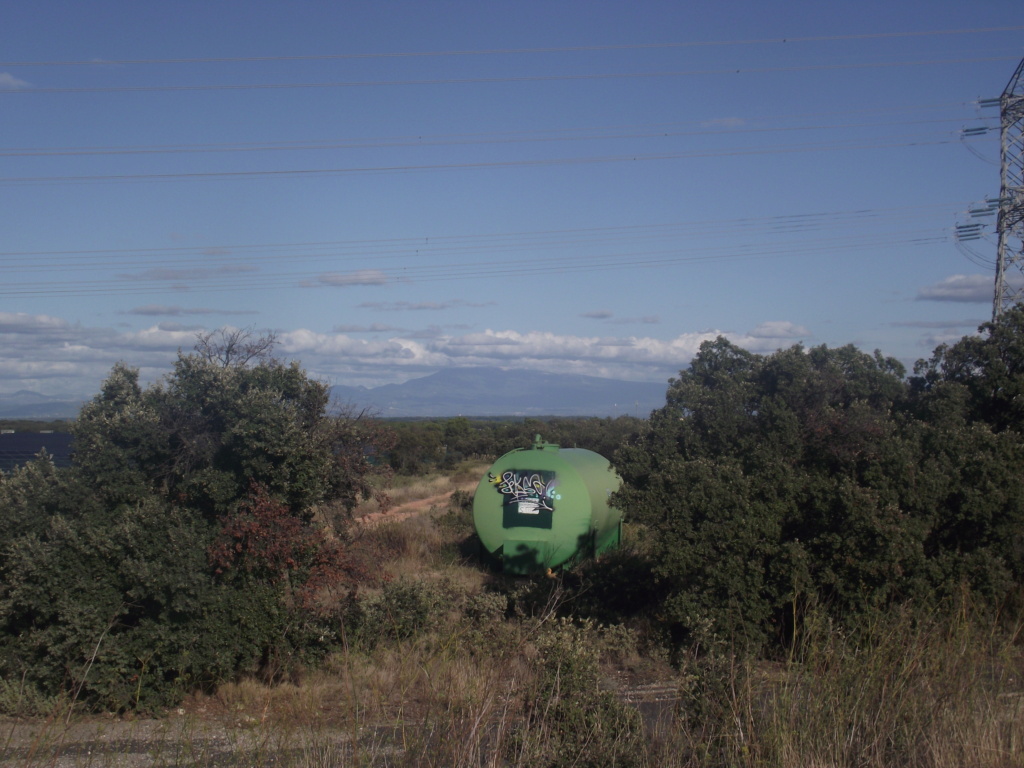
546,506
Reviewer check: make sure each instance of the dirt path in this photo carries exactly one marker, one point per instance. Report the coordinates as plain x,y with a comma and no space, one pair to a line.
412,508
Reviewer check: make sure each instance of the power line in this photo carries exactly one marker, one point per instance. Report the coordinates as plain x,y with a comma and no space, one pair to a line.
491,80
510,51
227,276
530,137
356,170
811,220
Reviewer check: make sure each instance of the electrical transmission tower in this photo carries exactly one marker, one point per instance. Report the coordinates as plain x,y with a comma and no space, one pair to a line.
1009,288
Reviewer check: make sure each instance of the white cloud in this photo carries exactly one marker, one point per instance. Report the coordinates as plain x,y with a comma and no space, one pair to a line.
158,338
435,331
965,288
932,340
19,323
9,82
51,356
302,343
486,339
611,341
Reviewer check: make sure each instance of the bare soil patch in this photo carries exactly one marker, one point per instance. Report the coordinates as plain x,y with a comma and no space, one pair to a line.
412,508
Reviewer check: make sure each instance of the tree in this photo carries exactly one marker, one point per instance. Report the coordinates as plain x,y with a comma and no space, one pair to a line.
968,399
224,418
118,614
120,445
821,477
767,480
264,542
235,347
181,546
989,367
229,426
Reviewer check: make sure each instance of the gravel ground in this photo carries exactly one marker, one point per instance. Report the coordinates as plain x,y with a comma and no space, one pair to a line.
174,741
197,736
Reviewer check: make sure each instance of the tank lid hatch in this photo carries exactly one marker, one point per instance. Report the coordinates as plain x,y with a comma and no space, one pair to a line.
540,445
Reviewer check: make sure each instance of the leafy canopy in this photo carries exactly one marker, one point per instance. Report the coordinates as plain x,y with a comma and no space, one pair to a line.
823,477
182,546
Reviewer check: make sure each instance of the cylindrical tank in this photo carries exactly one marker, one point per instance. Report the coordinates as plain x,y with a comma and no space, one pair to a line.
538,508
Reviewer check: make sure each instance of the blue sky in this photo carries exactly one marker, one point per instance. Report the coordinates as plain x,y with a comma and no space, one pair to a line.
397,187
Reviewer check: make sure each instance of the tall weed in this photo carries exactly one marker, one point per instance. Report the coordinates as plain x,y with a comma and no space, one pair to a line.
904,690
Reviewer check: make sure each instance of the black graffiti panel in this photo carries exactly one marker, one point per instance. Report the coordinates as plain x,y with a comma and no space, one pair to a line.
528,497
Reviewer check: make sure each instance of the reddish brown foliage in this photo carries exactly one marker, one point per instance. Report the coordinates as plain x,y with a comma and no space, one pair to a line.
266,539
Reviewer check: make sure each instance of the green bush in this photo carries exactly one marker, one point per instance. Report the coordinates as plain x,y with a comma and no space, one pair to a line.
111,615
570,720
179,549
403,609
821,477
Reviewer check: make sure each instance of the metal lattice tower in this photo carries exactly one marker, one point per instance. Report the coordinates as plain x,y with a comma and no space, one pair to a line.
1009,288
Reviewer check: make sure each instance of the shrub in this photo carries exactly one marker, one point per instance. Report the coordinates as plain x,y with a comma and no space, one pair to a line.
401,610
569,720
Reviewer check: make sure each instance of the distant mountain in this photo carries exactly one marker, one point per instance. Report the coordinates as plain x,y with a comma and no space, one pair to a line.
496,392
449,392
24,404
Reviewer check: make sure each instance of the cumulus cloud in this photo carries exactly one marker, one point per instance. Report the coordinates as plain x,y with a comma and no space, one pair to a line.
302,341
54,357
9,82
535,346
611,341
339,358
436,331
157,337
487,339
51,356
21,323
932,340
963,288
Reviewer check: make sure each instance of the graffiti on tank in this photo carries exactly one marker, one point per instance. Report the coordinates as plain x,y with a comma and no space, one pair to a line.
533,492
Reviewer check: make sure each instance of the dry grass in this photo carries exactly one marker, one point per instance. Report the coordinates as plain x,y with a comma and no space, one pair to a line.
907,691
402,490
452,666
471,692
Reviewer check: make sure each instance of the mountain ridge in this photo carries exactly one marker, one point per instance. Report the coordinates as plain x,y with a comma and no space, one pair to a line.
474,391
489,391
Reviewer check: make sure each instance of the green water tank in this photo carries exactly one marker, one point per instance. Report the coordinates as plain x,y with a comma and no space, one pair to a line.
539,508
